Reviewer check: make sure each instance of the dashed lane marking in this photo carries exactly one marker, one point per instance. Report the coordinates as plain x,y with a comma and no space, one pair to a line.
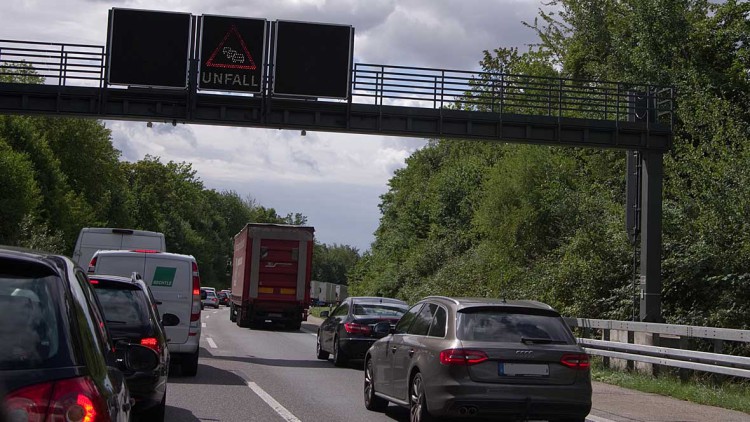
211,343
276,406
203,324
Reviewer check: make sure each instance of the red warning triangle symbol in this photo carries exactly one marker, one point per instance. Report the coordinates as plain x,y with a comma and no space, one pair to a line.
228,57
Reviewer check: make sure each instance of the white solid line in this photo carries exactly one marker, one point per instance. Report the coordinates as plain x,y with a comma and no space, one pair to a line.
203,324
593,418
211,343
276,406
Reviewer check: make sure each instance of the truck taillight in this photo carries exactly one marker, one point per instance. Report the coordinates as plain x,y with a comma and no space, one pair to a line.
92,265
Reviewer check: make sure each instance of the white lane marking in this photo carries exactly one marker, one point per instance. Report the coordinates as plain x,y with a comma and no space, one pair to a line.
593,418
203,324
211,343
208,316
276,406
309,332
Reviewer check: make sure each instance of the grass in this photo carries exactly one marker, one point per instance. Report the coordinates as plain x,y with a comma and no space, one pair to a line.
315,310
707,391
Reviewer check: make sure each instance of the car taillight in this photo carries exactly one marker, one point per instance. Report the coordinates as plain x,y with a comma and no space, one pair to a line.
92,265
462,357
74,400
576,361
196,313
152,343
145,250
354,328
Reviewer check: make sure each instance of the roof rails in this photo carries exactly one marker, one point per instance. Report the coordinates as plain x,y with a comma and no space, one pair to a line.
450,299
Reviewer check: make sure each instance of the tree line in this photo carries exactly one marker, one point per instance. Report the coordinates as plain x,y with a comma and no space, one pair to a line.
58,175
493,219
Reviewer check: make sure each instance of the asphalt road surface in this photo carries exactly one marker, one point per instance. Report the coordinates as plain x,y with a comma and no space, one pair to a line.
272,375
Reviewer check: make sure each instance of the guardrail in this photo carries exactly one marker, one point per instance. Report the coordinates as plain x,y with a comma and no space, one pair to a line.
384,85
716,362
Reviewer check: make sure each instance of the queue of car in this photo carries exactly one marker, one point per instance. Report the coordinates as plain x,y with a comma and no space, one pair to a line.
96,345
461,357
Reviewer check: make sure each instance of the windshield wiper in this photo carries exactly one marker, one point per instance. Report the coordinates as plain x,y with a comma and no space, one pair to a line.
535,340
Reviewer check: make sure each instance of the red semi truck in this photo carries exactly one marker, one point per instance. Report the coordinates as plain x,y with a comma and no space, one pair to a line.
271,274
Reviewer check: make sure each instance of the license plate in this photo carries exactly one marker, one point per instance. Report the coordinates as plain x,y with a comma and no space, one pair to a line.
522,369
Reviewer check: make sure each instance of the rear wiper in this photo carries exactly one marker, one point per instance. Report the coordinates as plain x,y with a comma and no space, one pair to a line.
112,321
534,340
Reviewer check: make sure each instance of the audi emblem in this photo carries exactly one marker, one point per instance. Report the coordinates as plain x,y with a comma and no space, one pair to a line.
524,352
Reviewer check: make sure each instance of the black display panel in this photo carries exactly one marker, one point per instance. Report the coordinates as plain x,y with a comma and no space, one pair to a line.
312,59
148,48
232,53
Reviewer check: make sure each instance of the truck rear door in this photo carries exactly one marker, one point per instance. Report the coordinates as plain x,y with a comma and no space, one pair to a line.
280,270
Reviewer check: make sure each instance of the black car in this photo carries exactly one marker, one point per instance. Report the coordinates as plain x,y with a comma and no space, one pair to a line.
132,315
223,298
57,354
347,331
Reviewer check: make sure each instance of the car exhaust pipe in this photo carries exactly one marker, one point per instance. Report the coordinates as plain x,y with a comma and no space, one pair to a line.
463,410
472,411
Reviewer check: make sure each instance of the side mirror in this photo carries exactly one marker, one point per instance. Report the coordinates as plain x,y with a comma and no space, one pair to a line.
324,314
203,294
170,320
135,358
381,329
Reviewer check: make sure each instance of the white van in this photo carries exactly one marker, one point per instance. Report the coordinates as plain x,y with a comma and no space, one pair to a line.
92,239
175,283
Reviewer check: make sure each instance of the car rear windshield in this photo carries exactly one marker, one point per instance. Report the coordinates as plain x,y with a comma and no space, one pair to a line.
30,329
379,309
125,307
504,326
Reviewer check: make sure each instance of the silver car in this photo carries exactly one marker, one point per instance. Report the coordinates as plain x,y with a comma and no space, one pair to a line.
461,357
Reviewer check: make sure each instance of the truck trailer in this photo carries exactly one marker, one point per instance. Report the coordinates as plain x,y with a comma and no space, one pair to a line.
271,275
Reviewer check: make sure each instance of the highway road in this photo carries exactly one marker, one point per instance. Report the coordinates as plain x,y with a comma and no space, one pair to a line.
272,375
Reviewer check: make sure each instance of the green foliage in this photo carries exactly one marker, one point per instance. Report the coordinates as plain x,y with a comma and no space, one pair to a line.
331,263
479,219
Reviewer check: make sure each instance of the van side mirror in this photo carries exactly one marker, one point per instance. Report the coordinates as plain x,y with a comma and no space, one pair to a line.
170,320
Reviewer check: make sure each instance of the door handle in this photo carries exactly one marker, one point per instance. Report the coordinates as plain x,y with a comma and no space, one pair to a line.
411,352
393,349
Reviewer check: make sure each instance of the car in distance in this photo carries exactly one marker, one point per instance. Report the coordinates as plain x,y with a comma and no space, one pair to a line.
209,298
463,357
57,353
347,332
132,315
223,297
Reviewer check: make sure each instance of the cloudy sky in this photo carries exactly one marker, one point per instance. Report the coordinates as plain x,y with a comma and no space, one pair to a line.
333,179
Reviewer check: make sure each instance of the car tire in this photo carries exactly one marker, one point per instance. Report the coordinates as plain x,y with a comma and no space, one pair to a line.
242,318
190,364
417,400
322,354
338,356
156,413
232,314
372,402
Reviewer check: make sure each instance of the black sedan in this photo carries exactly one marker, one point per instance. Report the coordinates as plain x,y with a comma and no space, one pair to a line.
347,332
132,315
57,354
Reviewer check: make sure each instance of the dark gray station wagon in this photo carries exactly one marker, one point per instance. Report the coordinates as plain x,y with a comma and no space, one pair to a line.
471,358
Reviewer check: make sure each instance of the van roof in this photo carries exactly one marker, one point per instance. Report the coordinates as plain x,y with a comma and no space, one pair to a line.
142,252
120,231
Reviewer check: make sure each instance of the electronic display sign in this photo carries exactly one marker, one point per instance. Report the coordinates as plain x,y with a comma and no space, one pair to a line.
312,59
232,53
148,48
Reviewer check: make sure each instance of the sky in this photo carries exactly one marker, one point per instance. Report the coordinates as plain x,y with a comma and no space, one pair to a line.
334,179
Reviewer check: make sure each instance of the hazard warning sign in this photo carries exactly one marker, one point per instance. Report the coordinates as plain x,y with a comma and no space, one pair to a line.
232,53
